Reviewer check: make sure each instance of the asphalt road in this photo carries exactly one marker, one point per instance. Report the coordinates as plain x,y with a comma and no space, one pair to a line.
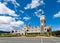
29,40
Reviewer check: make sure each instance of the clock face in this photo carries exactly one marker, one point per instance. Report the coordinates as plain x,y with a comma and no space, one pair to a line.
42,24
42,18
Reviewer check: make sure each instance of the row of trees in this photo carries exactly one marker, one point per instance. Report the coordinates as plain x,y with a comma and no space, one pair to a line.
56,33
52,33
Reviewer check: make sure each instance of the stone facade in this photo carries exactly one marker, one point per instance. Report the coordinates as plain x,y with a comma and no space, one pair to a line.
41,29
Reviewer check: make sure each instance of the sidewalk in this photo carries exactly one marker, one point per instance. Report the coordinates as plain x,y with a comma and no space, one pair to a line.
35,37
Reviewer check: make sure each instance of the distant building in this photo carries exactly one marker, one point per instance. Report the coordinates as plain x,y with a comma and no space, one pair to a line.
41,29
21,32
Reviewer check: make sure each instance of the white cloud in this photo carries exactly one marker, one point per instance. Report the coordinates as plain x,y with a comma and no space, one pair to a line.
34,4
26,18
13,2
39,12
21,11
58,1
5,10
17,23
5,3
6,19
7,23
57,14
6,27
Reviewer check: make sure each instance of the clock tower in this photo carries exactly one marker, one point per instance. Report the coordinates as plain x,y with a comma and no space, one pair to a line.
42,22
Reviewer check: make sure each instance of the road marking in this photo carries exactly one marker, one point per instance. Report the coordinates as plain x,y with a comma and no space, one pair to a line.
41,40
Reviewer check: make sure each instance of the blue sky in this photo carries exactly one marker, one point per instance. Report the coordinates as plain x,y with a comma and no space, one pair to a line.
19,13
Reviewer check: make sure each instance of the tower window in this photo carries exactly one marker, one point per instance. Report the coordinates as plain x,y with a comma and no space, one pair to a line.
27,30
45,28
